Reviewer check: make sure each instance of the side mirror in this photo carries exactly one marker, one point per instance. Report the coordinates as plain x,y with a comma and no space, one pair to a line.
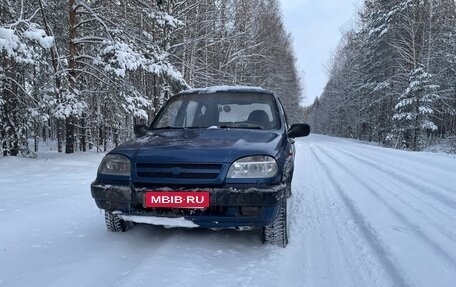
299,130
140,130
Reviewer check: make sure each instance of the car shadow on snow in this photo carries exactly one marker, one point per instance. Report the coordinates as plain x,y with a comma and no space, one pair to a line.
228,238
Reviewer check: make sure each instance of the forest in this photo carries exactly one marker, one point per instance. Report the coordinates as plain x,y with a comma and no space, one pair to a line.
80,74
392,79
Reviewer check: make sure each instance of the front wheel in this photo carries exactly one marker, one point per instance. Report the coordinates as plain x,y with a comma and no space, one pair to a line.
115,224
277,232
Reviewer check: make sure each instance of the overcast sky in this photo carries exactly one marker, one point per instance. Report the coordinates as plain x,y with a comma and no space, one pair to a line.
316,27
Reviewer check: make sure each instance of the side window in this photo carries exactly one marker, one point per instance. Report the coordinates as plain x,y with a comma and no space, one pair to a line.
282,109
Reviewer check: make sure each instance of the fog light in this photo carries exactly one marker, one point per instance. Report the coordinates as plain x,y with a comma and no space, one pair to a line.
250,211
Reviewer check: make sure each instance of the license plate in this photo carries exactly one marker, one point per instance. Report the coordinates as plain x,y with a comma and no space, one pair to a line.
177,199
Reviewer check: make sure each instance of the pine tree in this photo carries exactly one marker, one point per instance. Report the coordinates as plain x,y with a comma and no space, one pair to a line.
414,110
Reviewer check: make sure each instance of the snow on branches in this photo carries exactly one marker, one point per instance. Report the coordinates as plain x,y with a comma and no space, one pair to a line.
19,44
119,57
415,108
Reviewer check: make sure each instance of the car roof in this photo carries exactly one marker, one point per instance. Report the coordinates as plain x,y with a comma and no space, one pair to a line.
226,89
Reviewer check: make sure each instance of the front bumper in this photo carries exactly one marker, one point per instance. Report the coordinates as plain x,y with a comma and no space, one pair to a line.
224,211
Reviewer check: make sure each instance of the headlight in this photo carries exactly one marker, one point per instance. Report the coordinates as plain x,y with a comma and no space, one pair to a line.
115,164
253,167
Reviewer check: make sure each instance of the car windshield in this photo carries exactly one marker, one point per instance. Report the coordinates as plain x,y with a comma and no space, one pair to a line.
219,110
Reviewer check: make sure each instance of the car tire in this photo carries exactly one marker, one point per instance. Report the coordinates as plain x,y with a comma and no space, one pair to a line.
277,233
115,224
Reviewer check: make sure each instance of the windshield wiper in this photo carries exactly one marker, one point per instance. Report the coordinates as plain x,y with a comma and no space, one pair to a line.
167,128
226,126
242,126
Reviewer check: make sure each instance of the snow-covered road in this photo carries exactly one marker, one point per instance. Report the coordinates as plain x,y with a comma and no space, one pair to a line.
361,216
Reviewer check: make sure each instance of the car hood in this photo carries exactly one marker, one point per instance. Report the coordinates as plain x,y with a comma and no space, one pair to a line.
201,145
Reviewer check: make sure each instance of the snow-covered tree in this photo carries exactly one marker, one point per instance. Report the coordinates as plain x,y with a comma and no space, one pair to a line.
398,86
82,73
414,110
110,54
23,44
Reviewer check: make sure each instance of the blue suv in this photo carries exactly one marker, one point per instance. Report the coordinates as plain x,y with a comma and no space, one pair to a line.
219,157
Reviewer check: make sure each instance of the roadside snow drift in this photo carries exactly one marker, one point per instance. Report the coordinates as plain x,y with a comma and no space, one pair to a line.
361,216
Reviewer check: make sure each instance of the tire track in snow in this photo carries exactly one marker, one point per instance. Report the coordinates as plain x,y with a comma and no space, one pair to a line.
433,164
413,227
414,182
439,227
317,238
382,253
345,254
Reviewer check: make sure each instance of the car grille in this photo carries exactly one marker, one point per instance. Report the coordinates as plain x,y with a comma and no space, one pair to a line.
178,171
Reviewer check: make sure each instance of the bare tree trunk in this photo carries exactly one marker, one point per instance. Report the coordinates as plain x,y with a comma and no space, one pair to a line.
36,137
69,135
60,135
82,135
73,49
